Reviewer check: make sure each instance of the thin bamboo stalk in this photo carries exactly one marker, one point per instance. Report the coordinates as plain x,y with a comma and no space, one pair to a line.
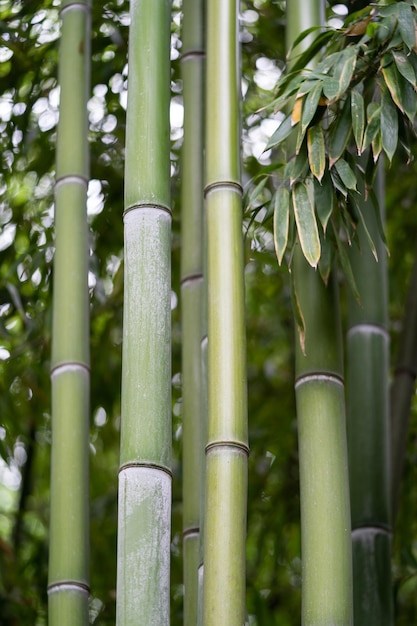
68,578
192,289
368,430
324,486
403,388
227,447
145,450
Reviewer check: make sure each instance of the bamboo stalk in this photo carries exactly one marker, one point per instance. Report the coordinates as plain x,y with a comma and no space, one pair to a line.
145,451
368,431
192,290
68,578
324,486
227,447
403,388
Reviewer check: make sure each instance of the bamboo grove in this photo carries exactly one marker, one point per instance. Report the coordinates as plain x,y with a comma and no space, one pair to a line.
286,254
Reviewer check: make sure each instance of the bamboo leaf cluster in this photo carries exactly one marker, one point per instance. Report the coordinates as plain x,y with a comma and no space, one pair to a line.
351,93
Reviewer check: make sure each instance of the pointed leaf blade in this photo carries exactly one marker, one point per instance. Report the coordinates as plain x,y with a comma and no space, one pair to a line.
281,221
389,125
340,133
316,151
358,118
306,223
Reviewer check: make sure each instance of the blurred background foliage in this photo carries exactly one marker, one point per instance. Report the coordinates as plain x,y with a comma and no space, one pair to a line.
29,100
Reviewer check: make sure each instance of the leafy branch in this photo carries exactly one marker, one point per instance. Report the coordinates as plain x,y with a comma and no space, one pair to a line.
352,97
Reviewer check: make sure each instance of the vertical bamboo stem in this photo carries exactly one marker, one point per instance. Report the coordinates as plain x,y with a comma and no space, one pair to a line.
68,580
324,486
145,454
368,431
227,447
192,289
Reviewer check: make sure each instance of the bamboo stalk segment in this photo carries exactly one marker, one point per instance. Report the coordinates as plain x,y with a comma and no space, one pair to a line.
144,518
227,447
193,296
369,431
68,577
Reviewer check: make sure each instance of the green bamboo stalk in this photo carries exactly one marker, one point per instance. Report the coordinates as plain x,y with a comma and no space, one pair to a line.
68,578
403,388
145,453
368,430
192,289
324,486
227,447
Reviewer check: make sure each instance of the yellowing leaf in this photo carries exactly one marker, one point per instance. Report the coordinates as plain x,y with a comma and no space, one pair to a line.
296,112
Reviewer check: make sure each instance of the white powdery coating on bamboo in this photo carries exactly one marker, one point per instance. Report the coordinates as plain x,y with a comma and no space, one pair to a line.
144,546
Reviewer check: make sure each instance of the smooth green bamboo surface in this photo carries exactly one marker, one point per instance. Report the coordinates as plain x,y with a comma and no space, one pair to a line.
324,486
227,447
368,431
403,387
192,292
324,483
68,576
145,446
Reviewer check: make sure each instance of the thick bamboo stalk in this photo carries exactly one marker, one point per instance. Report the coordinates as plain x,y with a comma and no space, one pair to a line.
403,388
227,447
68,579
145,452
369,432
192,289
324,486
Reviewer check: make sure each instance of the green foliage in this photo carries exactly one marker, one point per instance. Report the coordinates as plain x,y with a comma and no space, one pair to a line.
352,93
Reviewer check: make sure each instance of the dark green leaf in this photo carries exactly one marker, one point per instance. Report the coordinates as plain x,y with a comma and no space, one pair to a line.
406,24
316,151
346,174
345,263
303,202
389,124
344,68
309,109
358,118
340,133
373,127
300,166
326,258
365,228
401,91
324,199
404,66
331,87
281,221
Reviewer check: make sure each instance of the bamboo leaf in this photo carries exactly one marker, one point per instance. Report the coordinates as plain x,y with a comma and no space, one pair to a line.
298,315
346,174
324,199
326,258
281,133
331,87
346,266
340,133
406,24
377,146
373,127
257,191
389,125
309,109
300,166
358,118
281,221
344,68
404,66
401,91
365,228
316,151
303,201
